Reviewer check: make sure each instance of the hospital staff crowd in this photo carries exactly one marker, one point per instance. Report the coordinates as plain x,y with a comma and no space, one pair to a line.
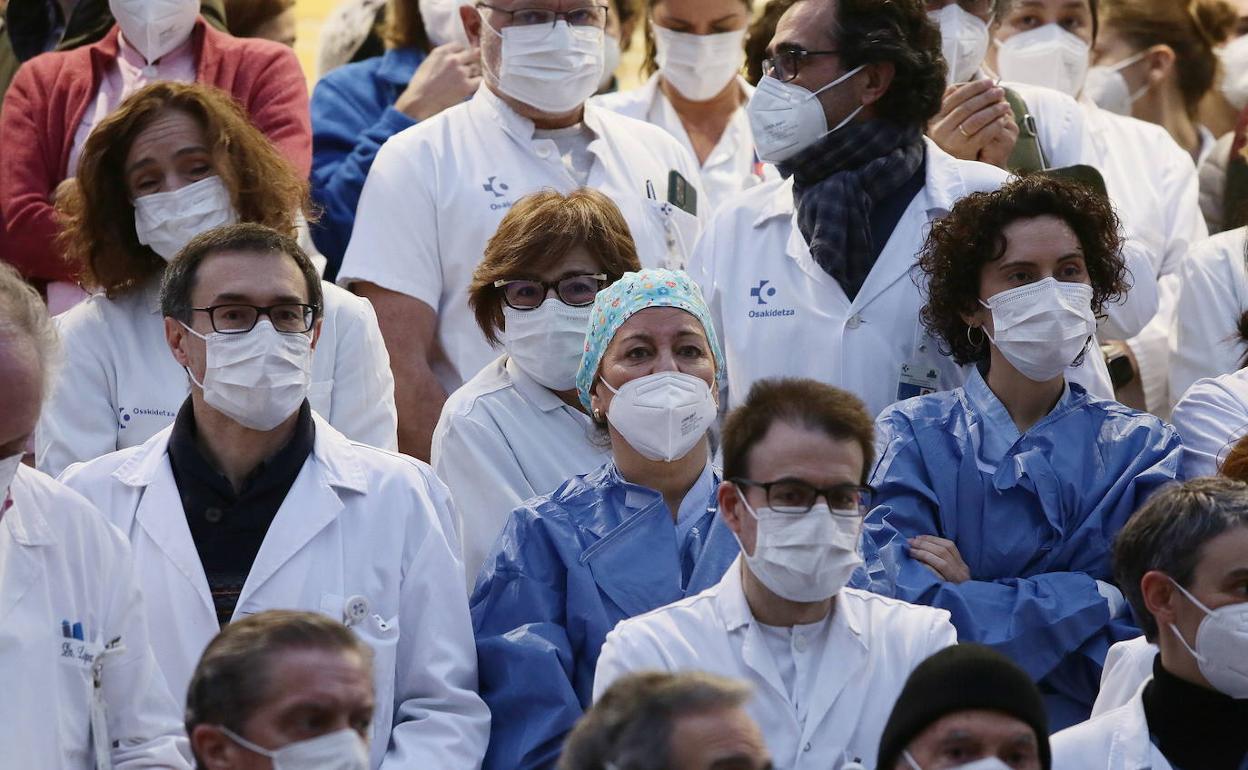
867,389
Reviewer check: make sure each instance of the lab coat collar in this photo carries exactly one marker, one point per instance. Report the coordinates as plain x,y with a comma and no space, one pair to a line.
735,609
27,524
534,392
1131,747
398,64
486,103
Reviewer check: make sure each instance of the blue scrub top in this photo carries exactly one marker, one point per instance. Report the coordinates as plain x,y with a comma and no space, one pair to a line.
566,569
1033,515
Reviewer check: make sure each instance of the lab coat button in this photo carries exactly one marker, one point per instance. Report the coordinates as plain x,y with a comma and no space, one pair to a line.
806,747
800,643
213,515
543,152
854,321
355,610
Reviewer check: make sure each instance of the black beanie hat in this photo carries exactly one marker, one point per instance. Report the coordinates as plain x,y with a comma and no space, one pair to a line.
963,677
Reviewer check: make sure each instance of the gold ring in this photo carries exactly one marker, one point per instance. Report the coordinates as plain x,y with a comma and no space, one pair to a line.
962,131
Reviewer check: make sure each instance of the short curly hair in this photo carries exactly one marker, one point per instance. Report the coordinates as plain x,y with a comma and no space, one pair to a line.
973,234
899,32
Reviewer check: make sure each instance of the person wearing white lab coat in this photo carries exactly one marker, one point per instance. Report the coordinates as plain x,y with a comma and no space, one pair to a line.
825,660
147,186
517,429
1128,665
1181,562
437,191
1205,338
1211,417
250,501
1151,181
695,91
73,627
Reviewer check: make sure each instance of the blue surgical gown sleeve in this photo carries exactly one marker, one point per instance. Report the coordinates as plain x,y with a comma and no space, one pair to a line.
526,664
1052,608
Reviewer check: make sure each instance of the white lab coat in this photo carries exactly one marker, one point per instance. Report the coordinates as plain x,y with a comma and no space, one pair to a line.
120,384
763,286
730,168
1115,740
61,563
1128,664
1204,339
437,191
1210,418
1060,124
1153,185
358,522
873,645
504,438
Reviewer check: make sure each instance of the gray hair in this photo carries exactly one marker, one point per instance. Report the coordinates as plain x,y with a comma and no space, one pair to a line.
22,312
630,727
1169,533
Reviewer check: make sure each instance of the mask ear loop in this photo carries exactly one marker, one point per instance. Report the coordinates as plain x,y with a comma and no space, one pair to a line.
1191,651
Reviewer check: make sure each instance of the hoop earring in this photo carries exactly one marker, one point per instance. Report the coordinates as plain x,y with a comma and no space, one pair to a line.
983,335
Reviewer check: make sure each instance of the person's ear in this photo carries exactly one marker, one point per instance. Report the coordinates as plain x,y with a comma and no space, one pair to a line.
175,337
471,19
316,331
730,508
1161,60
213,748
599,400
1160,597
876,79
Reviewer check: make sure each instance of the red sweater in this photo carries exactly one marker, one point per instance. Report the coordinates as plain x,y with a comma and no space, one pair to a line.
51,93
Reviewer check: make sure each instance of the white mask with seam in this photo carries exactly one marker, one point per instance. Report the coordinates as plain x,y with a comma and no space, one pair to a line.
340,750
1047,56
168,221
155,27
552,70
963,41
699,67
548,341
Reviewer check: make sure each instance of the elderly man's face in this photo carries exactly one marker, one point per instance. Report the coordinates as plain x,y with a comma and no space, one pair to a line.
726,739
968,736
21,392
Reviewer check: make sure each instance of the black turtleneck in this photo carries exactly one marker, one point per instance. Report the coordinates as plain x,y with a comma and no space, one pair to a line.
1194,727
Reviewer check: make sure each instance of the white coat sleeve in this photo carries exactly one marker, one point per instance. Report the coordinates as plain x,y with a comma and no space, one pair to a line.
394,242
1204,338
144,721
1128,664
440,721
79,419
485,481
1209,420
362,402
1128,316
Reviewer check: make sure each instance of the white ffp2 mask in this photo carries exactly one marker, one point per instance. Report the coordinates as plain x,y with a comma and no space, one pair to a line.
963,41
1234,59
340,750
168,221
547,342
1221,646
787,118
664,415
698,66
1108,89
155,27
611,55
554,70
987,763
258,378
804,557
1041,328
1047,56
442,22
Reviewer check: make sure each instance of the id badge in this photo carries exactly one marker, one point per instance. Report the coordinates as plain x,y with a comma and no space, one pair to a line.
917,380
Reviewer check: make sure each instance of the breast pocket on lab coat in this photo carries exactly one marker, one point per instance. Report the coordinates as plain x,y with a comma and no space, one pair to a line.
382,635
319,397
673,232
74,659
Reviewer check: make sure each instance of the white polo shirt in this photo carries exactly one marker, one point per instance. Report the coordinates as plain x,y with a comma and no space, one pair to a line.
438,190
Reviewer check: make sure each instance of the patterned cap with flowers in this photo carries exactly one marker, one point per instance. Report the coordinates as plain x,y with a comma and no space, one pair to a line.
655,287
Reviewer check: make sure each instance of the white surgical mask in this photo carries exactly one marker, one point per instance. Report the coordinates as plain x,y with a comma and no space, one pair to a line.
664,415
442,22
787,118
610,60
987,763
547,342
258,378
804,557
1221,646
1041,328
698,66
963,41
1047,56
155,27
1107,88
553,70
340,750
1234,86
8,472
168,221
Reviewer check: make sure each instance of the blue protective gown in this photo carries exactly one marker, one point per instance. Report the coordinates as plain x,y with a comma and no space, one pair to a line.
1034,517
566,568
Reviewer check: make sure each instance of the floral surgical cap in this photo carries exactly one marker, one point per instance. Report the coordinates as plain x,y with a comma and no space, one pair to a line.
633,292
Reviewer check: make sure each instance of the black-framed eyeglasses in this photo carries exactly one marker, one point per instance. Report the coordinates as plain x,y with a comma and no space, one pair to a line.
984,9
796,496
573,290
786,62
287,317
586,16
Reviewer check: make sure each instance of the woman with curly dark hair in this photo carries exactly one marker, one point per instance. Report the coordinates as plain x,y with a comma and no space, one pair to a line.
998,501
173,161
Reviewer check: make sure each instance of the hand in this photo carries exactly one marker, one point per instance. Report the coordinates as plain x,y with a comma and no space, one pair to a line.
449,75
1003,136
965,124
940,556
